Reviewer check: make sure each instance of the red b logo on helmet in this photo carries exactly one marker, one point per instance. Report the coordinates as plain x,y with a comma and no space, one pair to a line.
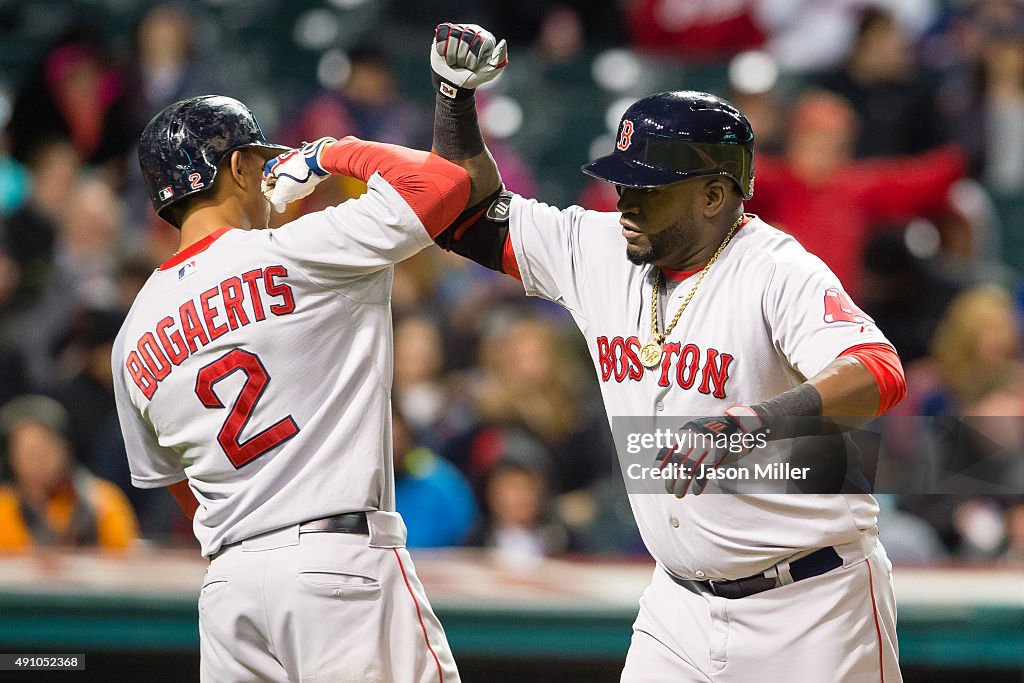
625,137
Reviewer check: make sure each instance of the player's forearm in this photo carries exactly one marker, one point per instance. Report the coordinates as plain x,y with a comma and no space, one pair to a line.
848,391
457,137
859,385
483,176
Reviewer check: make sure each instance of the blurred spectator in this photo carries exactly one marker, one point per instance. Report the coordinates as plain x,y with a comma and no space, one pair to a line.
84,273
420,392
31,233
558,31
365,102
51,501
166,68
13,377
360,97
894,100
764,111
695,30
987,105
463,290
88,394
600,518
89,244
904,294
519,522
809,35
974,371
433,497
533,377
975,350
829,202
74,93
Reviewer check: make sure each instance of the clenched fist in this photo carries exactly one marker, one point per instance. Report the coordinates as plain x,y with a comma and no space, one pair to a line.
706,443
465,56
292,175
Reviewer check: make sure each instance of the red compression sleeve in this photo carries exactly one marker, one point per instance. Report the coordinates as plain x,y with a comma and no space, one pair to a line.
883,363
436,189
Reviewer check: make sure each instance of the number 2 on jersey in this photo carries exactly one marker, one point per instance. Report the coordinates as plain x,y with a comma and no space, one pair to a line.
256,380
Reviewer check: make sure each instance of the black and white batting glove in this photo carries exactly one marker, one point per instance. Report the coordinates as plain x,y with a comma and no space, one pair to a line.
705,444
294,174
464,57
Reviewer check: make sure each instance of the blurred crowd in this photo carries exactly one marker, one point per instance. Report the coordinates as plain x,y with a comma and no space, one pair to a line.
890,142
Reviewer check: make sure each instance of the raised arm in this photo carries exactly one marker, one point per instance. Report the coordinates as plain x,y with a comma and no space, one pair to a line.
435,189
462,58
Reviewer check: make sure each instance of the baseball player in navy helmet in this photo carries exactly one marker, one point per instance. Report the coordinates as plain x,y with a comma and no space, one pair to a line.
252,378
691,307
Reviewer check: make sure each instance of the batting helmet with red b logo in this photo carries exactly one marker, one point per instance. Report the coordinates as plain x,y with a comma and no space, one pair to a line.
673,136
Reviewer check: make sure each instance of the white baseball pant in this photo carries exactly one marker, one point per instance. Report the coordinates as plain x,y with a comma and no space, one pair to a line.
838,626
318,608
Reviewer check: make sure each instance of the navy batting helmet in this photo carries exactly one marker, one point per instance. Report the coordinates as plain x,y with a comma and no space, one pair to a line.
673,136
183,145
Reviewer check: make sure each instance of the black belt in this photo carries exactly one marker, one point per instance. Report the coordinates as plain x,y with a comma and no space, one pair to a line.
345,523
815,564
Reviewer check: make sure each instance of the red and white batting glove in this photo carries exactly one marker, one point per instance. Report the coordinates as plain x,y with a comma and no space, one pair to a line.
294,174
465,56
706,443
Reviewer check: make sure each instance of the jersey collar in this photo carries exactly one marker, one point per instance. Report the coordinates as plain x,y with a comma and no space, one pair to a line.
680,275
193,249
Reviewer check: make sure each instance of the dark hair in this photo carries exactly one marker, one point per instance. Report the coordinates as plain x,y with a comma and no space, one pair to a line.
871,18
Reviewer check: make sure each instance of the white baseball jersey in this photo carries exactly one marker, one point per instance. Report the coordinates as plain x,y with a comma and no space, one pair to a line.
767,316
198,369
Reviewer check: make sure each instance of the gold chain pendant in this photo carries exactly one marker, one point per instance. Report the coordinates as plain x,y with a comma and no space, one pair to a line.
650,355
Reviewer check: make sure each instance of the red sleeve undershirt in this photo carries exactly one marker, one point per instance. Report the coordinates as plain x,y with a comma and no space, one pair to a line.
436,189
508,259
185,498
883,363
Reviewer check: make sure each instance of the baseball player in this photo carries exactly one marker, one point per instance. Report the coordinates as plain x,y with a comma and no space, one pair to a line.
690,307
252,378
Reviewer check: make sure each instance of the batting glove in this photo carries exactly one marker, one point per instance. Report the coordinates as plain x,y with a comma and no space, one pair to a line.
705,444
465,56
293,175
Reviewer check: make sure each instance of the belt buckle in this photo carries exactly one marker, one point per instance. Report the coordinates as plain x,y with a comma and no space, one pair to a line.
711,587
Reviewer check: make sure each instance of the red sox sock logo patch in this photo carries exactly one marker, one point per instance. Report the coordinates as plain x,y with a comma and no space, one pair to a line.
839,308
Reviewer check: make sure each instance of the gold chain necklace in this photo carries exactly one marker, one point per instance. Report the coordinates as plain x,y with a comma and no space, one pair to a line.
650,354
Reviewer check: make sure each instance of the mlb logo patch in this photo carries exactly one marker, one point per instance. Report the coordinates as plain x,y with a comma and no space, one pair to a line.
166,193
186,270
